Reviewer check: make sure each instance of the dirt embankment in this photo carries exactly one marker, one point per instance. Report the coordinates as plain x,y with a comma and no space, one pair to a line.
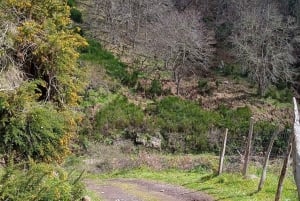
142,190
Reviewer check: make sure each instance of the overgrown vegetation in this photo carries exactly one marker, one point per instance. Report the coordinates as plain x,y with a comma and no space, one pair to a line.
94,52
32,130
116,117
38,116
40,182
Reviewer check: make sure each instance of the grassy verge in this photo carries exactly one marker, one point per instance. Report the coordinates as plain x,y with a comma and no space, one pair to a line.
227,187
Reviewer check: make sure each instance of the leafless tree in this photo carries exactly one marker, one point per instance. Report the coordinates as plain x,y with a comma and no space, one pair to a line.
157,30
183,43
261,42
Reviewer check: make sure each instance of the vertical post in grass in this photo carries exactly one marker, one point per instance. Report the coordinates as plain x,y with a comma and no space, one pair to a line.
296,145
264,171
221,161
248,149
284,168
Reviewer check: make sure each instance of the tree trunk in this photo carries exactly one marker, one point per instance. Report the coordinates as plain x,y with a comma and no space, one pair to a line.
296,151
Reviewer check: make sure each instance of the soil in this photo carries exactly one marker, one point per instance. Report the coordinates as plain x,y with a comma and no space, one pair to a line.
143,190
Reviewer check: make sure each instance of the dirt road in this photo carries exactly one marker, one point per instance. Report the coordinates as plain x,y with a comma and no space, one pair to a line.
143,190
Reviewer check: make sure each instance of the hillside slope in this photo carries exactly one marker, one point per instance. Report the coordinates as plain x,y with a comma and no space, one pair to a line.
219,89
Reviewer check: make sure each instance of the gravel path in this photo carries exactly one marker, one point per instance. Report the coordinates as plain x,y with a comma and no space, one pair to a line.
143,190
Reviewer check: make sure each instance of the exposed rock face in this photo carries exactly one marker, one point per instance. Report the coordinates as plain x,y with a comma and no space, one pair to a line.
10,78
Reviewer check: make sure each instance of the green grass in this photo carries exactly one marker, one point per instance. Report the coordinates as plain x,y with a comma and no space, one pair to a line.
95,53
227,187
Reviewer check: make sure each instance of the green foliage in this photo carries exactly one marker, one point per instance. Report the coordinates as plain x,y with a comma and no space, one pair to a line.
76,15
130,80
117,116
237,121
33,130
234,70
263,131
203,87
47,47
35,119
71,3
40,182
185,121
283,95
114,67
155,88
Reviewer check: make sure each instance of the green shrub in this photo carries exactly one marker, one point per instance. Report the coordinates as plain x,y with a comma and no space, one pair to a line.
155,88
203,87
76,15
71,3
263,131
237,121
281,94
33,130
40,182
117,116
183,123
130,79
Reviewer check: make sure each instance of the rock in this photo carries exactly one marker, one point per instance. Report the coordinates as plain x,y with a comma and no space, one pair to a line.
86,198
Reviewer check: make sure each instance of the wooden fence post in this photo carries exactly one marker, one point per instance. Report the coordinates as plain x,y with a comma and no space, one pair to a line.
221,161
248,149
296,152
284,168
264,171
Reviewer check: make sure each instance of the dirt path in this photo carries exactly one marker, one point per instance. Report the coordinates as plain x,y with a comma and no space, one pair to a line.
143,190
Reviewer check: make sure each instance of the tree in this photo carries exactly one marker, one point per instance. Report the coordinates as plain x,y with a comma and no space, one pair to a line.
261,39
166,33
182,41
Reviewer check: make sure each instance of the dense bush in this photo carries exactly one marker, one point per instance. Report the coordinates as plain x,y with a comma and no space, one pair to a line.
76,15
263,131
117,116
183,124
281,94
155,88
33,130
40,182
237,121
71,3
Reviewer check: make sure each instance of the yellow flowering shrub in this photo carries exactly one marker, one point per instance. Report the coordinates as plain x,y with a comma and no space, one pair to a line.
40,182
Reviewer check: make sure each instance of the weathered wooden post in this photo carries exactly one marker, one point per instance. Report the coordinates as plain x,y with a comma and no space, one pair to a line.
296,145
284,168
248,149
264,171
221,161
